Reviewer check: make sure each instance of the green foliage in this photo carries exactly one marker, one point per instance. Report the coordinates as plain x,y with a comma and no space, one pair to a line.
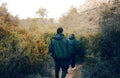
21,56
82,46
10,57
105,49
93,46
21,52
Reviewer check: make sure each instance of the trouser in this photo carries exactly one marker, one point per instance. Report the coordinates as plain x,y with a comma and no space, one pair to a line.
73,60
63,64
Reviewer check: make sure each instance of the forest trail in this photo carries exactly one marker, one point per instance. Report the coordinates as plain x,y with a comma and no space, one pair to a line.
73,73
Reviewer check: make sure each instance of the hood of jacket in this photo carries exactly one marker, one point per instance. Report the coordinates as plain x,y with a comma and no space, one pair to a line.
71,37
58,36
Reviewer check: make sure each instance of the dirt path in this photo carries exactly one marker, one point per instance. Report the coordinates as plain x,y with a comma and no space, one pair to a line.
74,73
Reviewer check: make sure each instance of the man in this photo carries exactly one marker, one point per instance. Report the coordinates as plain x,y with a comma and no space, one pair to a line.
73,48
59,49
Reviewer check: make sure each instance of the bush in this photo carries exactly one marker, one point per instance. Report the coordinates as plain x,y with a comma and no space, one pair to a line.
82,46
105,48
19,58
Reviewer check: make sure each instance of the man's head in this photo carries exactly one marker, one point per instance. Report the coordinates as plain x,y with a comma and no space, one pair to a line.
59,30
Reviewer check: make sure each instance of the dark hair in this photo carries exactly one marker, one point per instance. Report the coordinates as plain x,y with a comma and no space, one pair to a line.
59,30
72,34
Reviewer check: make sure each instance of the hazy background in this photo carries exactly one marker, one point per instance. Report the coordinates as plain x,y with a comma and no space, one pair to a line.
27,8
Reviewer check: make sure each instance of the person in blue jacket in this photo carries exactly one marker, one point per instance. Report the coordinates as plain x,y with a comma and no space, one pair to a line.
73,48
59,49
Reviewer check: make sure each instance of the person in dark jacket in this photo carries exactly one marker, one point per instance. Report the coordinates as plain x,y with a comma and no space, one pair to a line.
59,49
73,48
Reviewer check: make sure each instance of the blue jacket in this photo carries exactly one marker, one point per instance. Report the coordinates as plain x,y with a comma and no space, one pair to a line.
72,45
59,47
